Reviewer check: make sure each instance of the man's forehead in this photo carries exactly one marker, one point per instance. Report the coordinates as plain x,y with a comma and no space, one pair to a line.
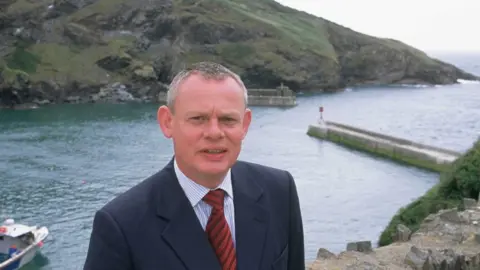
196,83
204,95
218,112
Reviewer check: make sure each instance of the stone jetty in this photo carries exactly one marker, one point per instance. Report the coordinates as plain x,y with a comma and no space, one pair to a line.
397,149
281,96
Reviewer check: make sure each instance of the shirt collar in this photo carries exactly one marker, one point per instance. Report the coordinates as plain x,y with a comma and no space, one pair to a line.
195,192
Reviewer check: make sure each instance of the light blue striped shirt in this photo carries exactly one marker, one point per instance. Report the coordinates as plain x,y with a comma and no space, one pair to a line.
196,192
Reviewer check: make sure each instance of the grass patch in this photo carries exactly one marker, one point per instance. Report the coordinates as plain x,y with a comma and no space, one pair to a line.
307,32
462,180
296,30
24,60
267,53
11,76
232,52
400,46
100,7
62,63
24,6
388,153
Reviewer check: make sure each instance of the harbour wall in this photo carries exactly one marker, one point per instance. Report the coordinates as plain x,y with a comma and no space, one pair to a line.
272,101
397,149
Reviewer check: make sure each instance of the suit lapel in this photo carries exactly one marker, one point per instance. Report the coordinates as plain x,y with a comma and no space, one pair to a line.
183,232
251,219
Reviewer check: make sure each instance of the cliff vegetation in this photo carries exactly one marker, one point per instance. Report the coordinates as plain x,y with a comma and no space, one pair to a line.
69,51
461,181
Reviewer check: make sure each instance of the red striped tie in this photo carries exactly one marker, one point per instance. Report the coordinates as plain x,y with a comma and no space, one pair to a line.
218,231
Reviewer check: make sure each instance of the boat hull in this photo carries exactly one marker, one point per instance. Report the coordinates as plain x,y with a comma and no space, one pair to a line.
26,252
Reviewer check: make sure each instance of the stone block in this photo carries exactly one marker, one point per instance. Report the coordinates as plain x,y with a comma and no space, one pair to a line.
469,203
450,215
325,254
361,246
402,233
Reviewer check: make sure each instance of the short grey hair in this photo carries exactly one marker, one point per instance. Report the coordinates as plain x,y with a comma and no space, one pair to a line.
208,70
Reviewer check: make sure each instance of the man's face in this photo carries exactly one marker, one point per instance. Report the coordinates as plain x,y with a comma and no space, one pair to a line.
208,125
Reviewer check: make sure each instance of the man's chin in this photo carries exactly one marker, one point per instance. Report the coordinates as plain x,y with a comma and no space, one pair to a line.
213,168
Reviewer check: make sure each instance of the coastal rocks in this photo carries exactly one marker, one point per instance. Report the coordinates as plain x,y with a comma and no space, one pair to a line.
120,93
81,35
421,259
115,62
143,43
469,203
448,239
145,72
115,93
362,246
14,87
365,60
325,254
402,234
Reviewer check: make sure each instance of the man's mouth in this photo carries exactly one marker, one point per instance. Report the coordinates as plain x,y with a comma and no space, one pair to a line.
214,151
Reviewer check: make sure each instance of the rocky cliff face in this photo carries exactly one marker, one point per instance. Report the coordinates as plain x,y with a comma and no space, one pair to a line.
70,51
449,239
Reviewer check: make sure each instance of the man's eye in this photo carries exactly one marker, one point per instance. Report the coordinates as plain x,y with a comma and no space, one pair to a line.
229,120
198,118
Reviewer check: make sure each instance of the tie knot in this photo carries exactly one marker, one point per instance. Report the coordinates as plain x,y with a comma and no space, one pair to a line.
215,198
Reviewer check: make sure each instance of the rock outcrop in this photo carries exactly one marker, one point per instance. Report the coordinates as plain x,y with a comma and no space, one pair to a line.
51,51
448,239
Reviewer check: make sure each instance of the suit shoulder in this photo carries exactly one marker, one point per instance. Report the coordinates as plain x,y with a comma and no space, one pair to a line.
134,198
264,172
260,168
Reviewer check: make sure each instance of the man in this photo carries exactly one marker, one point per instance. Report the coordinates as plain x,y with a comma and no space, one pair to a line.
205,210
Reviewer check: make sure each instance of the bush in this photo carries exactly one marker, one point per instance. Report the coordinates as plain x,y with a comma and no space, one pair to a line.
23,60
462,180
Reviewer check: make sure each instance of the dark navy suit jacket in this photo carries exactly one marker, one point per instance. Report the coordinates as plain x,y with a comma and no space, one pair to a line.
153,226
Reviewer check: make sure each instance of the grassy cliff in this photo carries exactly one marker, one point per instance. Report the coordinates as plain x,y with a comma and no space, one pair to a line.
461,181
97,42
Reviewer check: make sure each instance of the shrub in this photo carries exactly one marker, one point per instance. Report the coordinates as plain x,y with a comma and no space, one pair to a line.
462,180
23,60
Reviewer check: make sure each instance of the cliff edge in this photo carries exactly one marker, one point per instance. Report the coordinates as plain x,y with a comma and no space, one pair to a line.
449,239
54,51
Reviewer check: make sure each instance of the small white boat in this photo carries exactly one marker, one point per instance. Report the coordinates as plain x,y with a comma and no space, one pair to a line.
19,243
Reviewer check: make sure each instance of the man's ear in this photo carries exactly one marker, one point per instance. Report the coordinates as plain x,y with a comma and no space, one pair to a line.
247,119
165,118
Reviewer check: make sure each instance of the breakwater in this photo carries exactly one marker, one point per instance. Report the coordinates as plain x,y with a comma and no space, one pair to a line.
397,149
280,96
280,101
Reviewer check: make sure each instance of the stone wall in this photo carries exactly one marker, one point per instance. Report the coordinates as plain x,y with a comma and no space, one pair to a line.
395,139
280,96
271,101
382,145
447,240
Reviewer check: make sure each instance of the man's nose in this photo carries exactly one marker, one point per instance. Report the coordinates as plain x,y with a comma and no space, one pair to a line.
214,130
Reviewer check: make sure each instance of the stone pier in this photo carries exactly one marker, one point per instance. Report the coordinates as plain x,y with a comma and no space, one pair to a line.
405,151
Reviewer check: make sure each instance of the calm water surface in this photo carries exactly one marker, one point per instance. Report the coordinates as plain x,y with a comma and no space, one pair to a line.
59,164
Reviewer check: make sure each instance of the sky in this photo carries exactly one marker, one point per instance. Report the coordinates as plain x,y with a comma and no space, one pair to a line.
432,26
